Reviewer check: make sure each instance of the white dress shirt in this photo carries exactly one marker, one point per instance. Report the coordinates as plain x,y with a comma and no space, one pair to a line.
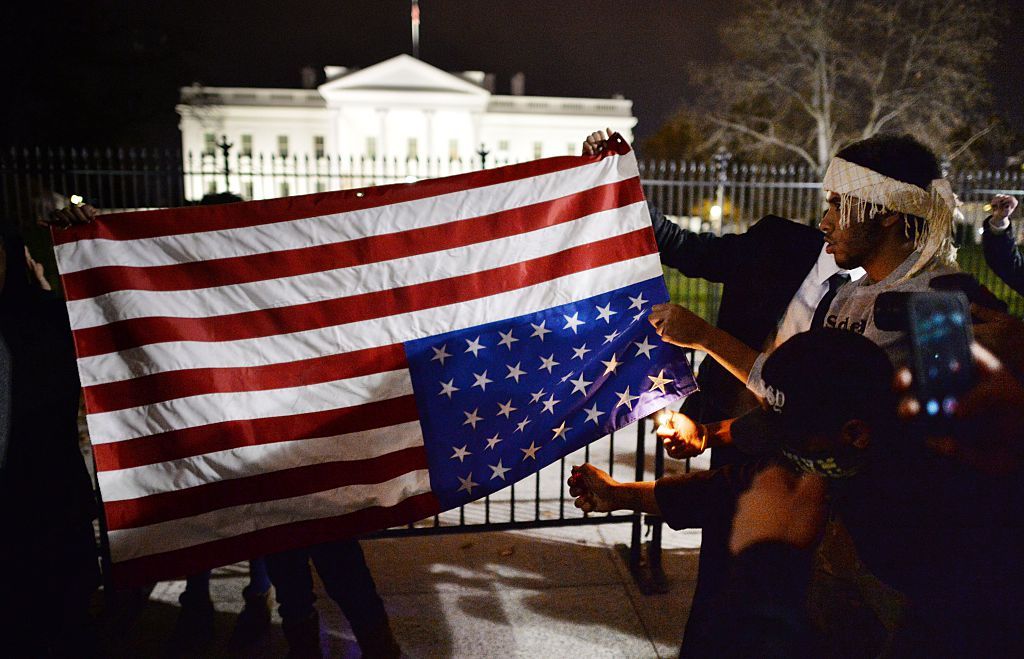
801,308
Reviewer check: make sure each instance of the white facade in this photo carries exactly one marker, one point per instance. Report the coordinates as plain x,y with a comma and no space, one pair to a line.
399,119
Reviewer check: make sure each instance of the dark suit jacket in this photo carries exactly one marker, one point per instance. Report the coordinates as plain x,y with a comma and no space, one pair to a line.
761,270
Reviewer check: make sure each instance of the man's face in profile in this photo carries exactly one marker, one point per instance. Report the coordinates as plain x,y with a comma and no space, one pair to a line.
855,244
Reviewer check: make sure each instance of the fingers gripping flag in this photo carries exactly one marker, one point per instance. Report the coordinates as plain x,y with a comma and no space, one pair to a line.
274,374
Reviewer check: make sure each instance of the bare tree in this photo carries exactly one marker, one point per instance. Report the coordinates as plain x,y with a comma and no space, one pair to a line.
807,77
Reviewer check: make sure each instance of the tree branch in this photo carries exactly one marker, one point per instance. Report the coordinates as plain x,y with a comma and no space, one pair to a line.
971,140
766,139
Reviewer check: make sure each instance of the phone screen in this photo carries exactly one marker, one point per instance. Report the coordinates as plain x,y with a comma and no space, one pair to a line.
940,330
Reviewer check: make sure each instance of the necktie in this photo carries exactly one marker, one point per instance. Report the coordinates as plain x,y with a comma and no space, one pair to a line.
834,282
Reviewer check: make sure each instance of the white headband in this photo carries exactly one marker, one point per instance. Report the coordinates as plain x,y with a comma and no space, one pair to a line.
861,189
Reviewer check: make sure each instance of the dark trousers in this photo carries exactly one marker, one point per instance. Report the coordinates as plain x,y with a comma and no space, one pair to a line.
346,578
712,573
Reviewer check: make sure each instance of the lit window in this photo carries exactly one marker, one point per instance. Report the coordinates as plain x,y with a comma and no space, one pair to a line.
247,190
538,149
282,146
412,152
283,189
211,187
502,145
247,145
318,146
209,144
453,149
321,186
371,147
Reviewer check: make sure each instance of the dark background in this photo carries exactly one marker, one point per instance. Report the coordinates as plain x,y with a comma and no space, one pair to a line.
107,72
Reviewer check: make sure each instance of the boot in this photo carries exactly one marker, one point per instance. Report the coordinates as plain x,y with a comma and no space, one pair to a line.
303,637
194,627
378,642
254,619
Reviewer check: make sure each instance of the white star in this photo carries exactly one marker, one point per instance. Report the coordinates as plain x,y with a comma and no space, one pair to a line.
467,483
506,410
637,302
522,424
536,396
644,348
498,471
579,352
546,364
460,453
659,381
626,399
540,330
448,388
608,338
549,404
514,372
481,381
507,339
530,452
592,414
492,441
572,323
474,346
639,316
611,365
472,418
605,313
565,377
560,431
440,354
580,385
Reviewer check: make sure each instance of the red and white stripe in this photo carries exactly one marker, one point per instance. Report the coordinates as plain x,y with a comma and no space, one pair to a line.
243,365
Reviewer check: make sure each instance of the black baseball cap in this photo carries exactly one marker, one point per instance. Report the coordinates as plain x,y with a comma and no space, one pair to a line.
815,382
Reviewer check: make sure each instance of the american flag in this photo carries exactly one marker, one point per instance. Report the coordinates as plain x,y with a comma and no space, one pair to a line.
268,375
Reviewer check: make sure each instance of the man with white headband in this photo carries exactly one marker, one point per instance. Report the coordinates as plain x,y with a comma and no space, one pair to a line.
890,213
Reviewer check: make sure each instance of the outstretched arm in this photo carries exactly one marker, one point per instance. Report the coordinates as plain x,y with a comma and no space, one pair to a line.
680,326
698,255
597,492
1001,252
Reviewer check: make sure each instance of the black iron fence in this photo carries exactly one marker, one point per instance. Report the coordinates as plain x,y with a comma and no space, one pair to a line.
715,196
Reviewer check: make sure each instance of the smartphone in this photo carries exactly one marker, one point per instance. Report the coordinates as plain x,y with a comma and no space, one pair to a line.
939,325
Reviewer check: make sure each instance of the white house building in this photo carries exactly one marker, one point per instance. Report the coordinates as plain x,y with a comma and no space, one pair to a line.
398,119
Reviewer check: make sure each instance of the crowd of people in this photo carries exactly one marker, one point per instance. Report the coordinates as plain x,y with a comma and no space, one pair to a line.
837,487
843,514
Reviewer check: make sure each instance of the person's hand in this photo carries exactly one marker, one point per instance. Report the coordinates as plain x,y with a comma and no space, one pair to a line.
779,506
986,431
70,215
1003,206
596,142
680,326
681,436
1002,334
37,271
594,489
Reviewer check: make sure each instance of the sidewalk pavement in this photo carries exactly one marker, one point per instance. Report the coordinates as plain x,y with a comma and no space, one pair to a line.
548,592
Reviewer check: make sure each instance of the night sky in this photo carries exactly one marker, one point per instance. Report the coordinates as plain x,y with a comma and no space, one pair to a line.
108,71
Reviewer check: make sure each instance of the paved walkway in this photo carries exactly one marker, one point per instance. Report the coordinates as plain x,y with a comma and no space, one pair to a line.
525,594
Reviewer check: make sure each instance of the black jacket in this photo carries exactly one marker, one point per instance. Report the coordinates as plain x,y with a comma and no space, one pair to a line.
761,270
1003,257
